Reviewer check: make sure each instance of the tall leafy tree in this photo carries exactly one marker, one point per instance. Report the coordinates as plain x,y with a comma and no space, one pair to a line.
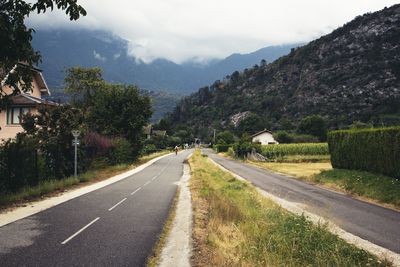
225,137
15,45
120,110
82,84
314,125
252,124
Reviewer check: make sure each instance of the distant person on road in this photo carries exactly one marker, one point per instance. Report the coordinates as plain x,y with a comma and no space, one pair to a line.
176,150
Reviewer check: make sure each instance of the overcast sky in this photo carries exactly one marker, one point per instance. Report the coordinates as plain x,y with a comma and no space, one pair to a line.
181,30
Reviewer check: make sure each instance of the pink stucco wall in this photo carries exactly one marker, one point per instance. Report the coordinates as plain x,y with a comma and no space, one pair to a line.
10,131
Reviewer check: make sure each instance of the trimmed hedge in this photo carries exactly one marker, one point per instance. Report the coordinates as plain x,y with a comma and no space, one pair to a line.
221,147
373,150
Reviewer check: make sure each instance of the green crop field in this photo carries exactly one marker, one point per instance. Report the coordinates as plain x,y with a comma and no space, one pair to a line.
284,150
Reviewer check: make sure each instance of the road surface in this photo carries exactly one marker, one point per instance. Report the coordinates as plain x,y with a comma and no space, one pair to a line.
376,224
117,225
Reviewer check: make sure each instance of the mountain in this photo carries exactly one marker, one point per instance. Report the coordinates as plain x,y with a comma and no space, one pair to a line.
351,74
61,49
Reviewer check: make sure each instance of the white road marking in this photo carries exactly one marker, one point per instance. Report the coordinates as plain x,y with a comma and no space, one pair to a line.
136,190
113,207
147,183
81,230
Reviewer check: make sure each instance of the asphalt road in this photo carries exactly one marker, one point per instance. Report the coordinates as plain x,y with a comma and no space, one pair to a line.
376,224
117,225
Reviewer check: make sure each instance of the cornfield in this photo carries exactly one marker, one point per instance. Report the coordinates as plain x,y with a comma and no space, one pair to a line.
282,150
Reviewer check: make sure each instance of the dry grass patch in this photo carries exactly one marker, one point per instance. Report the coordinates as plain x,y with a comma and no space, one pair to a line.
301,170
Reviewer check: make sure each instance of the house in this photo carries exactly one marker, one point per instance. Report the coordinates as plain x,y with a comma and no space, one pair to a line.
264,137
149,132
25,102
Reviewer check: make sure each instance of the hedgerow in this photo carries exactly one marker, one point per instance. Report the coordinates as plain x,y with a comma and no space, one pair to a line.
374,150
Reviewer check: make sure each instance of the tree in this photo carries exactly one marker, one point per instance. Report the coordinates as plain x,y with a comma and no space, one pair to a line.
251,124
120,110
15,45
314,125
225,137
283,137
52,129
82,84
164,125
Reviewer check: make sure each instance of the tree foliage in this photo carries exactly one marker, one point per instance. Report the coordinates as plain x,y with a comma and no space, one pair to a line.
52,129
225,137
16,37
314,125
120,110
252,124
82,84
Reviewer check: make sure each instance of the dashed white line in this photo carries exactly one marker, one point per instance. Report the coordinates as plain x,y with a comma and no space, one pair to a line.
135,191
81,230
147,183
113,207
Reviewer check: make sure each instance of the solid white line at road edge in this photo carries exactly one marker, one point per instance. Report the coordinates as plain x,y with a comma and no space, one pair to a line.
113,207
81,230
135,191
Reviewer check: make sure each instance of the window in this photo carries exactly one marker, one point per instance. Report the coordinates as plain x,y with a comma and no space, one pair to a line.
14,114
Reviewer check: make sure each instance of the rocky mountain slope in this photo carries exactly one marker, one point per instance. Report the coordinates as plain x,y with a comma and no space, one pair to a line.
64,48
352,74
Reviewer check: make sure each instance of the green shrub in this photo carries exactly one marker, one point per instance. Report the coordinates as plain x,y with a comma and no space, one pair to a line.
121,151
303,138
221,148
283,137
231,152
242,148
374,150
149,148
281,150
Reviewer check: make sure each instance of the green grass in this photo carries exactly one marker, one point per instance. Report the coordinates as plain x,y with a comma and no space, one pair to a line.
246,229
374,186
53,186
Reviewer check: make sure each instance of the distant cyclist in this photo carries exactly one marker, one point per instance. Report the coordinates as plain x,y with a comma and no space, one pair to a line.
176,150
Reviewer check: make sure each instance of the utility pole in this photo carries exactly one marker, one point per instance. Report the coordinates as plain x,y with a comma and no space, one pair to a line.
75,143
214,136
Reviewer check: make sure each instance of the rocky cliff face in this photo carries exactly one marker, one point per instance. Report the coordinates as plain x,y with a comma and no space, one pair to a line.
351,74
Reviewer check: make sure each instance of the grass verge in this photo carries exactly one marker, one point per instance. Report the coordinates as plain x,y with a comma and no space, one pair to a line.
373,186
235,226
54,187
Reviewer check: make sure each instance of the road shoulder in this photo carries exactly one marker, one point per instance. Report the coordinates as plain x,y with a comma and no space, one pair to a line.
178,247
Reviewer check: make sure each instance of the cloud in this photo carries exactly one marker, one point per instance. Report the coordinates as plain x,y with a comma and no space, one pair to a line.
98,56
184,29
